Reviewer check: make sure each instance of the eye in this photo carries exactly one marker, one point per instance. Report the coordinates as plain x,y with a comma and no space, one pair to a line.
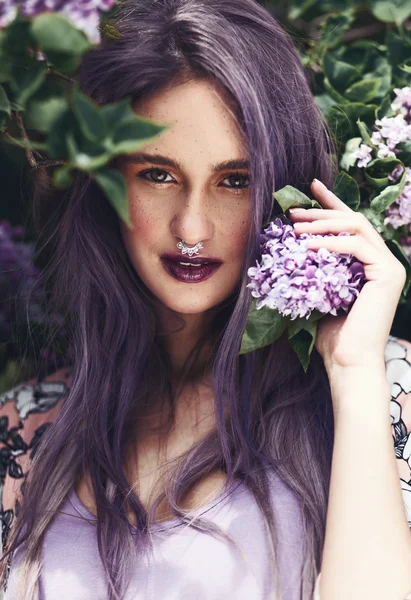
239,181
156,176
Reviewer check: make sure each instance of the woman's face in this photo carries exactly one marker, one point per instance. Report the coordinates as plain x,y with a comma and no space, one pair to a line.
184,191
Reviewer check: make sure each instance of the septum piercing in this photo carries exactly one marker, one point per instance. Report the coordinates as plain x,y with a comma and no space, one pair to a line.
190,251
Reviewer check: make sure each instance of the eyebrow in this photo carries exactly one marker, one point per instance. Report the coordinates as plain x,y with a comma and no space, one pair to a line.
158,159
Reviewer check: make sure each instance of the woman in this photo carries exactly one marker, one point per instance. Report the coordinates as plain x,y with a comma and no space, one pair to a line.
176,468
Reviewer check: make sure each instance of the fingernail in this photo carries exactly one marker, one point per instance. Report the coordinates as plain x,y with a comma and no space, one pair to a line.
320,182
295,210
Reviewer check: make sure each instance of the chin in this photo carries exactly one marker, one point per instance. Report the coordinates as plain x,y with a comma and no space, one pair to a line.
187,306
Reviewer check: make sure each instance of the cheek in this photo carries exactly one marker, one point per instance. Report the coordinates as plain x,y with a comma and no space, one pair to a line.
235,234
147,219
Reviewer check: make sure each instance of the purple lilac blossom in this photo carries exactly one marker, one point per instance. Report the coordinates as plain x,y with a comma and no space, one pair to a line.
84,14
295,280
364,155
403,102
388,134
8,12
389,131
399,213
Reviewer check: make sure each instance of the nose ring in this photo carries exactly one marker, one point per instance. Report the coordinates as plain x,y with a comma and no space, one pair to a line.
190,251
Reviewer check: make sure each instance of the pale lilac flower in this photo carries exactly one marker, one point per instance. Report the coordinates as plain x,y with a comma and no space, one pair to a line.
402,102
383,151
394,129
8,12
376,137
396,173
295,280
399,213
363,154
84,14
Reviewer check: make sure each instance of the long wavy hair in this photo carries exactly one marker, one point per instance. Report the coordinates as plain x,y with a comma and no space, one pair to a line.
270,415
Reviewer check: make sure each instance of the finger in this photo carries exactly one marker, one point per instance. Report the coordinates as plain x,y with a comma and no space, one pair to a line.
327,198
310,214
336,226
350,244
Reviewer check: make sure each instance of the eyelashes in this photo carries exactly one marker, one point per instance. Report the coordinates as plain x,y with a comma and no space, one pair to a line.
148,173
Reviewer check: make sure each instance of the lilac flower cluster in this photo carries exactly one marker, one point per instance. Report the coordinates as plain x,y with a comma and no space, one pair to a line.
388,134
295,280
84,14
399,213
389,131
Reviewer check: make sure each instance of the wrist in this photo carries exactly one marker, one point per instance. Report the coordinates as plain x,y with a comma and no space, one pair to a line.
360,391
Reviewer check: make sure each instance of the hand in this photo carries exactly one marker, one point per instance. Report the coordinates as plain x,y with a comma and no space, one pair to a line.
357,339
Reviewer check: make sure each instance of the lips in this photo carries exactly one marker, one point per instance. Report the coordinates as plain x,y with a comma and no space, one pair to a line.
193,270
195,260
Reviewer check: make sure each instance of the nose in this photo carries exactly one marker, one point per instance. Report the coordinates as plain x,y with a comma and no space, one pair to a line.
192,222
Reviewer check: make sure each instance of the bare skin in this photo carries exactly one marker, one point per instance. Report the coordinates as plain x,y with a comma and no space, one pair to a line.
193,202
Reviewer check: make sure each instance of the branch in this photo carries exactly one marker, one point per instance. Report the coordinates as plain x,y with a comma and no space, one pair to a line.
18,118
55,73
41,162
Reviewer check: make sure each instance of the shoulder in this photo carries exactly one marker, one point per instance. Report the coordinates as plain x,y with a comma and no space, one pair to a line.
398,371
26,411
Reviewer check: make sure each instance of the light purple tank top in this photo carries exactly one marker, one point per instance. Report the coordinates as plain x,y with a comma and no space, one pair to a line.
186,564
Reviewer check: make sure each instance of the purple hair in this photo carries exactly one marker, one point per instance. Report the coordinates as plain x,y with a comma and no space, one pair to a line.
269,413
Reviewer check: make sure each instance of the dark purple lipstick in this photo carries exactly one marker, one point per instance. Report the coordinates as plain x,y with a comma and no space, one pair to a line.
188,269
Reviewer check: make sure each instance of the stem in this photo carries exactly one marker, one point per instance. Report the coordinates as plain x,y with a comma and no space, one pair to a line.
55,73
41,161
49,163
29,153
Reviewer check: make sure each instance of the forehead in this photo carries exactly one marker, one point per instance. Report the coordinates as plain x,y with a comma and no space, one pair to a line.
201,119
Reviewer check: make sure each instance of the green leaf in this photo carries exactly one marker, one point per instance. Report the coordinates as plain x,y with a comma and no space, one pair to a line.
62,177
347,159
384,110
117,113
378,169
55,33
400,254
398,51
377,220
404,152
113,184
391,11
388,196
262,328
333,26
332,92
57,138
324,103
406,66
298,8
89,115
131,135
364,91
41,114
343,119
289,197
26,81
5,107
302,334
365,134
347,190
339,73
